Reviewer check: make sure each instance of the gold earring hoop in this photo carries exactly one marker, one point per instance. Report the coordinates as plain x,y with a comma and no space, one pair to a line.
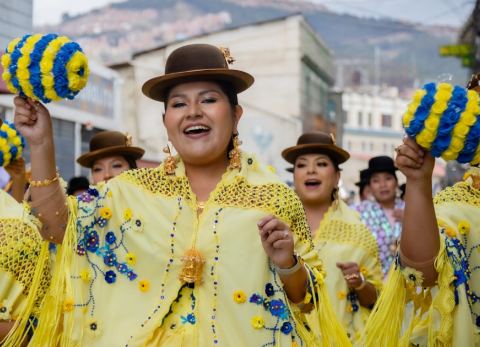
234,155
170,163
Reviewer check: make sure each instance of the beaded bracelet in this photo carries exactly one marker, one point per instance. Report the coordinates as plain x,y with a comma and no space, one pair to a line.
45,182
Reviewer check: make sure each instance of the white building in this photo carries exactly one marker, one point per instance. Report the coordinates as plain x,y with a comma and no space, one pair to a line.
15,20
293,76
372,127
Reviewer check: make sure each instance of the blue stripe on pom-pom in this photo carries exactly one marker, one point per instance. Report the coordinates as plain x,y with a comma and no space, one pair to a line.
60,70
472,142
423,110
1,158
35,74
3,134
456,105
16,54
14,152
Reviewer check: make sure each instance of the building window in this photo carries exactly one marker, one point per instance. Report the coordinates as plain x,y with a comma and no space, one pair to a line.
360,118
386,120
370,121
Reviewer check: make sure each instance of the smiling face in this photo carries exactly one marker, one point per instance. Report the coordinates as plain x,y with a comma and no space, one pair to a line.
383,186
315,178
200,122
109,167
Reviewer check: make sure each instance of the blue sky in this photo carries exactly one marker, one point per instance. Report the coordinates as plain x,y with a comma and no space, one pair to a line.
450,12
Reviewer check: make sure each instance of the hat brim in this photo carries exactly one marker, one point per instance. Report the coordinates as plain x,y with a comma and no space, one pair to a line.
336,153
87,159
156,87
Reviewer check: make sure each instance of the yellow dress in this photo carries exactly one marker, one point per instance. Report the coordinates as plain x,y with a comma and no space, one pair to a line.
449,313
116,278
342,237
23,279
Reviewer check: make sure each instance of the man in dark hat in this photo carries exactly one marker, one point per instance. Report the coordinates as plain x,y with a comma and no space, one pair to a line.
383,214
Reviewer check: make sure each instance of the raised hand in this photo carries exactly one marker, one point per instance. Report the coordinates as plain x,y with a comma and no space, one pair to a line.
413,161
33,121
277,241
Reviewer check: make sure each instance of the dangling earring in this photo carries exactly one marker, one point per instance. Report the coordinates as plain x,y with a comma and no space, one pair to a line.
234,155
335,197
169,164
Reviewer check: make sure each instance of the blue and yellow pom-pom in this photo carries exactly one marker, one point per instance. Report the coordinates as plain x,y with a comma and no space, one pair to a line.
11,144
445,120
45,67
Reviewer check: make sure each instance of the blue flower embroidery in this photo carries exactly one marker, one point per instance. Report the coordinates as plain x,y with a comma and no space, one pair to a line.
101,222
286,328
256,299
189,319
131,275
278,309
110,276
122,268
269,289
110,238
110,259
92,241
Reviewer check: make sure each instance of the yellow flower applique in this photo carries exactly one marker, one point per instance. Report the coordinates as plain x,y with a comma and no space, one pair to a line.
144,285
463,227
85,275
450,232
239,296
364,270
341,295
68,305
106,213
258,322
127,214
131,259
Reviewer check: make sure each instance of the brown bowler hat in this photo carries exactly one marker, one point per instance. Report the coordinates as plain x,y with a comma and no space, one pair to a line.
109,143
196,62
316,142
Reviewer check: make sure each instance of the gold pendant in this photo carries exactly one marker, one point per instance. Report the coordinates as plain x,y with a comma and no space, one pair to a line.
192,267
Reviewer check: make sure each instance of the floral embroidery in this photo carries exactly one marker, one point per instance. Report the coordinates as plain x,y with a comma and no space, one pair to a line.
92,241
110,276
131,259
258,322
5,310
341,295
190,318
364,270
269,289
450,232
256,299
105,213
239,296
286,328
85,275
110,238
94,327
144,285
68,305
353,298
127,214
278,309
137,225
463,227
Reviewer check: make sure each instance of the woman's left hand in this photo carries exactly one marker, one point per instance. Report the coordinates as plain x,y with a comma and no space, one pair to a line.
351,273
277,241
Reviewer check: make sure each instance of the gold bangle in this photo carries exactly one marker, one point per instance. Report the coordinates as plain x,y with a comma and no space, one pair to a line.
45,182
364,283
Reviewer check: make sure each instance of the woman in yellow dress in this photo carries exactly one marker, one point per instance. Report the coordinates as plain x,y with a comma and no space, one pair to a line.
208,249
345,245
438,265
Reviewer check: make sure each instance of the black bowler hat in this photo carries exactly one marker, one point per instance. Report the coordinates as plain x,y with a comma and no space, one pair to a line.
381,163
364,178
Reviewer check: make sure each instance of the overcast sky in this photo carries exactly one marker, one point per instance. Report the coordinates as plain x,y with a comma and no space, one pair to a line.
451,12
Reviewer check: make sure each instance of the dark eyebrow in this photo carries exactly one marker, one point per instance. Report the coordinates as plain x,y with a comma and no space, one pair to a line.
203,92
